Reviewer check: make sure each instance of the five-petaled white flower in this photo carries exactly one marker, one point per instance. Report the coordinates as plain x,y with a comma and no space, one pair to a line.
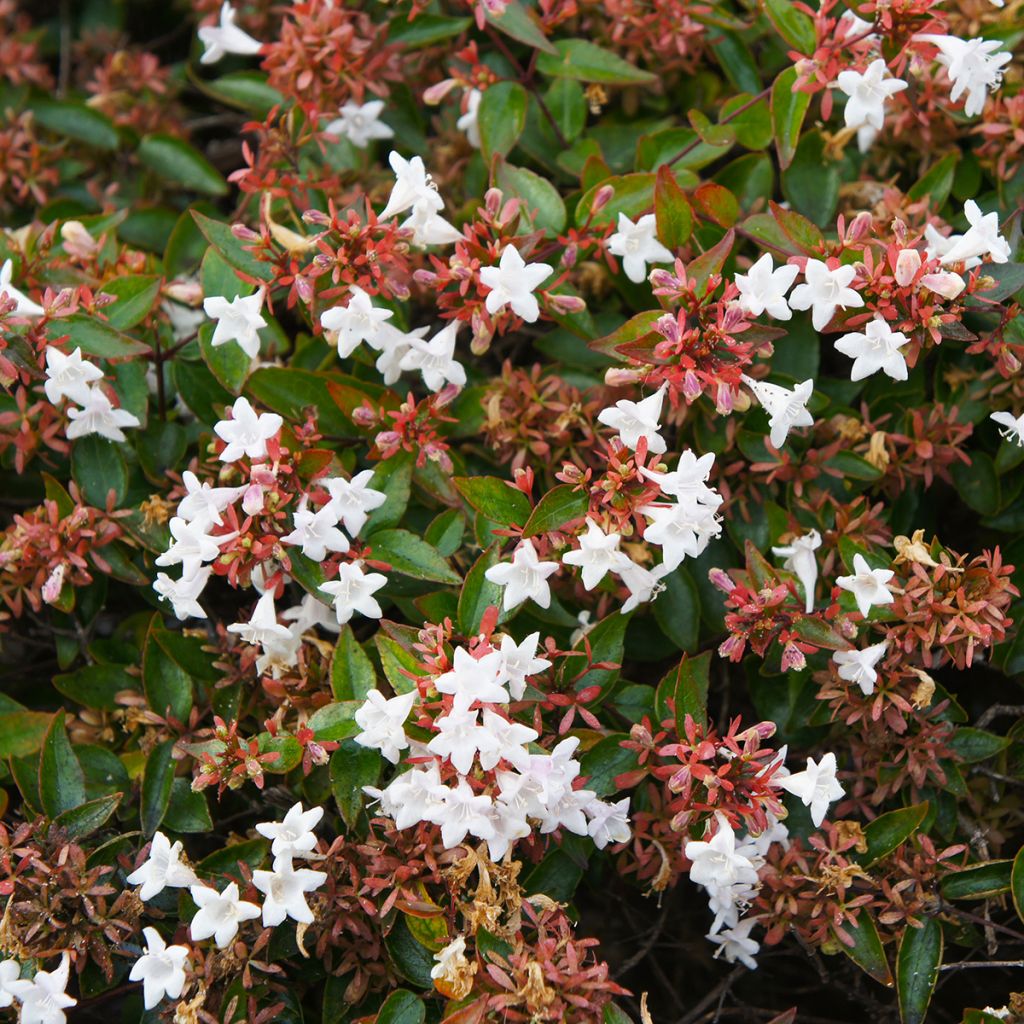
973,67
1013,426
360,123
859,666
609,823
824,291
219,914
317,532
44,998
597,554
353,592
520,660
25,306
525,578
800,560
816,787
735,943
184,594
638,245
468,121
688,479
461,738
382,722
161,969
353,500
161,869
763,288
634,420
226,38
716,861
982,238
413,187
786,409
293,836
875,348
358,321
513,282
99,416
191,545
867,91
262,627
246,433
10,970
284,891
435,359
464,812
238,319
69,376
867,585
205,502
471,679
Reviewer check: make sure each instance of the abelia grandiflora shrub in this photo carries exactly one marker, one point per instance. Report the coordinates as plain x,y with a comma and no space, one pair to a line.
483,473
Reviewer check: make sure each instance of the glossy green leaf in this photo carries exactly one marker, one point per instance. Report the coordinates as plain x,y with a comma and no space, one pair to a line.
865,948
61,780
501,118
82,821
979,881
157,783
917,970
181,164
167,685
499,501
136,296
402,1007
409,555
352,674
793,25
789,108
890,830
557,510
352,767
585,61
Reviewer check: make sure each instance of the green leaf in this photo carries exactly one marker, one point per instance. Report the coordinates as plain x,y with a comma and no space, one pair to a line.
867,951
352,767
93,337
95,686
188,810
671,209
973,745
335,721
611,1014
226,860
136,296
677,609
289,391
409,555
411,958
977,484
248,90
585,61
220,236
393,479
788,110
494,498
568,106
402,1007
811,182
917,969
979,881
807,236
693,681
98,467
446,532
556,876
425,29
520,23
167,685
890,830
794,26
607,759
396,660
1017,883
557,510
352,674
22,732
181,164
61,779
76,121
501,118
540,198
227,362
606,642
80,822
157,782
478,593
936,182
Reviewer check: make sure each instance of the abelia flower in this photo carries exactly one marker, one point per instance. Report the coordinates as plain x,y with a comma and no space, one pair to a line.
435,359
226,37
682,530
44,997
357,321
293,836
203,502
382,722
824,291
635,420
868,92
688,479
876,348
519,661
161,869
763,288
219,914
69,376
513,282
716,862
867,585
24,306
982,238
316,533
800,561
360,123
460,738
608,822
816,786
98,415
353,592
735,943
262,627
859,666
973,67
1013,426
468,120
786,408
525,578
161,969
474,679
463,813
246,433
183,594
597,554
284,892
353,500
10,970
191,545
238,320
637,244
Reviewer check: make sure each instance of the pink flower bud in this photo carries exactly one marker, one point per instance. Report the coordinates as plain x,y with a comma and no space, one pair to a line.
53,585
721,579
793,658
691,385
364,417
252,500
304,289
945,283
492,201
388,441
668,328
244,234
907,265
566,304
436,93
602,198
723,399
188,292
861,227
317,217
621,376
570,255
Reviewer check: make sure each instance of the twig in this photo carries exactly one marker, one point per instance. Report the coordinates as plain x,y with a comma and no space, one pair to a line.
981,963
999,709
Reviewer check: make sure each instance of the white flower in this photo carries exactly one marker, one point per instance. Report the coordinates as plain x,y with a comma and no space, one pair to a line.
1013,426
816,787
435,359
688,479
284,892
800,561
203,501
25,306
69,376
473,679
525,578
510,741
353,500
184,593
859,666
358,321
867,585
460,738
308,613
98,416
867,92
736,944
682,530
519,661
763,288
510,825
246,433
982,238
597,554
463,812
412,186
468,121
824,291
353,592
638,245
238,320
428,227
219,914
973,67
316,532
262,626
382,722
609,823
716,862
634,420
360,123
643,584
876,348
44,999
396,345
414,796
161,969
279,654
10,970
786,409
292,837
161,869
513,282
226,38
191,545
945,284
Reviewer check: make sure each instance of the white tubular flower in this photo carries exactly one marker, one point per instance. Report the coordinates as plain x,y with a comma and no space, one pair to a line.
513,282
867,585
800,561
226,37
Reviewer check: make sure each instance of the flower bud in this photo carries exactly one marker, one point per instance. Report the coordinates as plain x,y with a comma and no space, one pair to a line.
945,284
602,198
907,265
